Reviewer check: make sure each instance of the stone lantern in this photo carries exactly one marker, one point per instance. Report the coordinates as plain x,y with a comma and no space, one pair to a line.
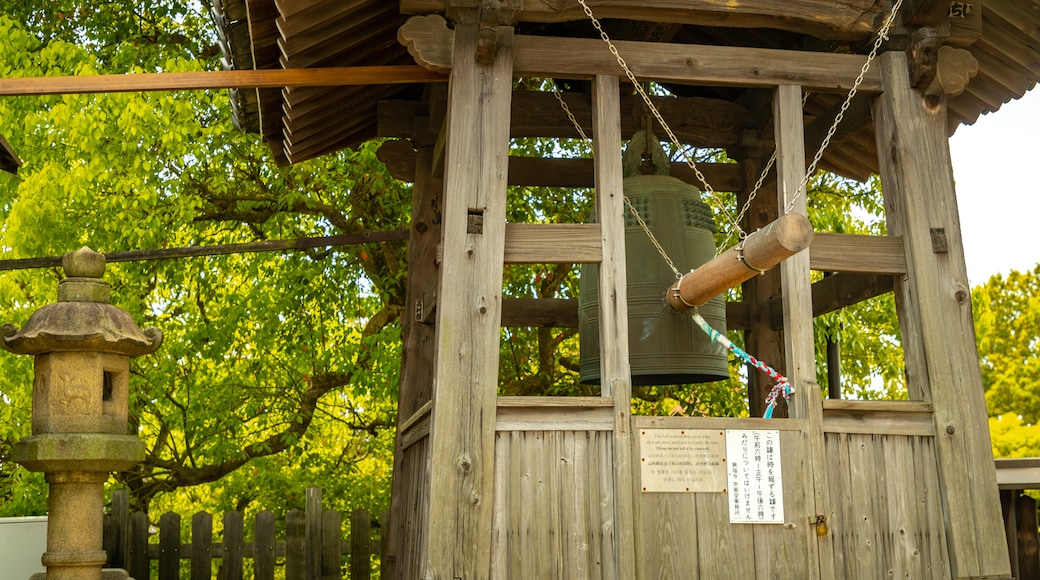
83,346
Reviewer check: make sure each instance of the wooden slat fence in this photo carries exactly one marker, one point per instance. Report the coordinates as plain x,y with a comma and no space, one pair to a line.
313,548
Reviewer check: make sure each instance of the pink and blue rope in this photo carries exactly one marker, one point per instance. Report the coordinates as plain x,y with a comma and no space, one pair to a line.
781,388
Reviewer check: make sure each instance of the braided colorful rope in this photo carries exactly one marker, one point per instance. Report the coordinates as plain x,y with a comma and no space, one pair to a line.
781,388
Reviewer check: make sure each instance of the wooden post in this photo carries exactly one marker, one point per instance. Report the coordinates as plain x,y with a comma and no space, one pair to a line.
116,531
138,565
762,250
313,534
796,298
170,546
462,428
360,545
295,545
761,338
613,312
233,542
263,546
936,320
417,362
201,546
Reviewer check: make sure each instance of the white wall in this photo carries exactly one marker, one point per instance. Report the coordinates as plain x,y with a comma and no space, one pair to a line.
22,542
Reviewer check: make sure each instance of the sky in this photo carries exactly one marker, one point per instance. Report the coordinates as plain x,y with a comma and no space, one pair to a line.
996,166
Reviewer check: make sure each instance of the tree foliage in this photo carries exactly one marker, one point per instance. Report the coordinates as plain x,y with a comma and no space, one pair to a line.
279,370
1007,326
285,362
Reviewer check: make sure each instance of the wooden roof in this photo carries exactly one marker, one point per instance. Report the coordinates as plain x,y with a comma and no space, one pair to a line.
302,123
9,161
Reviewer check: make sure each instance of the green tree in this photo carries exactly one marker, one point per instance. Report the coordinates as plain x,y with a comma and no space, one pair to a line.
1007,326
287,362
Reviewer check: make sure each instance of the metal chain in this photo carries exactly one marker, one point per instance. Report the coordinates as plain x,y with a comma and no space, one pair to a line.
882,37
570,115
741,234
628,203
720,205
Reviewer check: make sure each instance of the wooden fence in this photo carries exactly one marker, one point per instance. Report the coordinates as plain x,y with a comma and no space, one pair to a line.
313,547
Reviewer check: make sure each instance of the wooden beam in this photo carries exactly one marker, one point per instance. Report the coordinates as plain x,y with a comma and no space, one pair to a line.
399,158
469,309
873,417
616,372
552,244
836,292
934,303
799,343
9,160
856,253
845,19
227,79
760,251
428,39
927,12
695,121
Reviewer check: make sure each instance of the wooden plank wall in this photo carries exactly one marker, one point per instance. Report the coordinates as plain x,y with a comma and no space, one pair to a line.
887,521
684,536
412,528
554,506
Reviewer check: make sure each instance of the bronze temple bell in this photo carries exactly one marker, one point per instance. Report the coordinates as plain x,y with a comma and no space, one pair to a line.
665,346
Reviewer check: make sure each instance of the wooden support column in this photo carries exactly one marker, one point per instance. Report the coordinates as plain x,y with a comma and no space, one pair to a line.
462,430
796,298
935,316
613,313
416,385
761,339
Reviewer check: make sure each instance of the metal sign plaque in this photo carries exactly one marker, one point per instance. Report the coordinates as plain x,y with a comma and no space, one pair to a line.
683,460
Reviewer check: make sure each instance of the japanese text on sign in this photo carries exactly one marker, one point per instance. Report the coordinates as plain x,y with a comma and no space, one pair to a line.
756,490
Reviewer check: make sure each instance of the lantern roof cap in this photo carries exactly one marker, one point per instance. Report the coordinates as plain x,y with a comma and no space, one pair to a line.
82,319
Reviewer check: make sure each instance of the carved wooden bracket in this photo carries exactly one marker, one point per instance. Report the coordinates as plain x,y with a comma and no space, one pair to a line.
938,70
429,41
487,34
923,54
956,67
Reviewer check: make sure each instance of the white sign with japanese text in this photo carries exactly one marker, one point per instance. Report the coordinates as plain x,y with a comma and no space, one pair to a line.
756,489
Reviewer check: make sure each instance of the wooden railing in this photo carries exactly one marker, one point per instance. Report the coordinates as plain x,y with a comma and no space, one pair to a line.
313,547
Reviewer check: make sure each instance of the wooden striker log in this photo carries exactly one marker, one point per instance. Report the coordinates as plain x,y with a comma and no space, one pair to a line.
781,239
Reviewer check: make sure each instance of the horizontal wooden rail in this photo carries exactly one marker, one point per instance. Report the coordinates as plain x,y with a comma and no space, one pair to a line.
224,79
856,253
415,427
555,414
553,244
430,40
878,417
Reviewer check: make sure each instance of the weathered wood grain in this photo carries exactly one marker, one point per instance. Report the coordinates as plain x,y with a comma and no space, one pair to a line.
613,314
263,546
552,243
799,346
935,316
855,253
429,39
226,79
845,19
555,414
762,250
469,312
170,546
